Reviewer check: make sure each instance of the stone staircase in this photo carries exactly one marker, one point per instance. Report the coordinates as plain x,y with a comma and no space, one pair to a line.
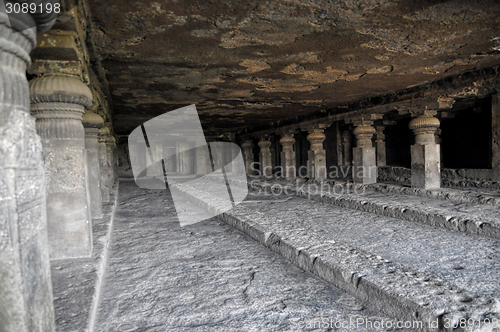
418,256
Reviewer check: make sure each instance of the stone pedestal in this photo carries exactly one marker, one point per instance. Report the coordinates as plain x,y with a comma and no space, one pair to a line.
247,147
364,155
26,302
58,103
288,156
103,163
380,146
317,155
425,153
92,122
266,168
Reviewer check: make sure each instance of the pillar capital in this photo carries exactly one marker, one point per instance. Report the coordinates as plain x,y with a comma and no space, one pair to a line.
424,127
264,144
287,141
364,132
248,144
316,137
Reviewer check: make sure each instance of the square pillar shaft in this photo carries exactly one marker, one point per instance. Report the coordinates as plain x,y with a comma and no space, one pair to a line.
364,155
425,153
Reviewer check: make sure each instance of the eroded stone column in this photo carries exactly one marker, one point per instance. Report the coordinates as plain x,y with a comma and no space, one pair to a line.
425,153
317,154
266,168
495,139
287,142
247,147
380,146
26,302
185,158
364,158
103,162
58,103
92,123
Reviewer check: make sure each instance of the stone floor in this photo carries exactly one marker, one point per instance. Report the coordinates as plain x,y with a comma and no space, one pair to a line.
209,277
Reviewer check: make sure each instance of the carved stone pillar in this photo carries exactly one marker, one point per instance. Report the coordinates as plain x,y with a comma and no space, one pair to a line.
266,168
202,160
247,147
288,156
235,151
103,163
364,160
317,155
185,158
26,302
380,146
110,148
92,122
346,140
58,103
425,153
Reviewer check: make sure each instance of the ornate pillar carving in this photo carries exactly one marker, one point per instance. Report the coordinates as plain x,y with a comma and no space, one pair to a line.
425,153
25,277
287,142
266,168
92,122
247,147
364,160
58,103
380,146
103,163
317,154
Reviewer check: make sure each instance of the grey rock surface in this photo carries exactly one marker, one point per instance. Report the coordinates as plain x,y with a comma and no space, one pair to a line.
402,275
76,281
207,277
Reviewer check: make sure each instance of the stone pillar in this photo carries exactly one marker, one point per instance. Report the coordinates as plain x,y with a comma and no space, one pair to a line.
247,147
185,158
317,154
235,151
103,163
288,156
111,161
92,122
339,147
26,302
170,162
58,103
201,160
346,140
425,153
266,168
364,159
380,146
495,144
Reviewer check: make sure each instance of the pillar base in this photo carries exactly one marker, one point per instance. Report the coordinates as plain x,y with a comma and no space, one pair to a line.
365,168
425,166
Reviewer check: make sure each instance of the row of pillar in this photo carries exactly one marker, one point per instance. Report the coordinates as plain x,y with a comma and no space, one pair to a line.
78,158
366,158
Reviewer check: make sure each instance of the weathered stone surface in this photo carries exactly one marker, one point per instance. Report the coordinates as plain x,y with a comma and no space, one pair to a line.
283,58
206,277
77,283
385,262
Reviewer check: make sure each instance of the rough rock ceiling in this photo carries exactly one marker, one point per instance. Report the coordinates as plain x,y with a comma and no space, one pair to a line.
245,63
